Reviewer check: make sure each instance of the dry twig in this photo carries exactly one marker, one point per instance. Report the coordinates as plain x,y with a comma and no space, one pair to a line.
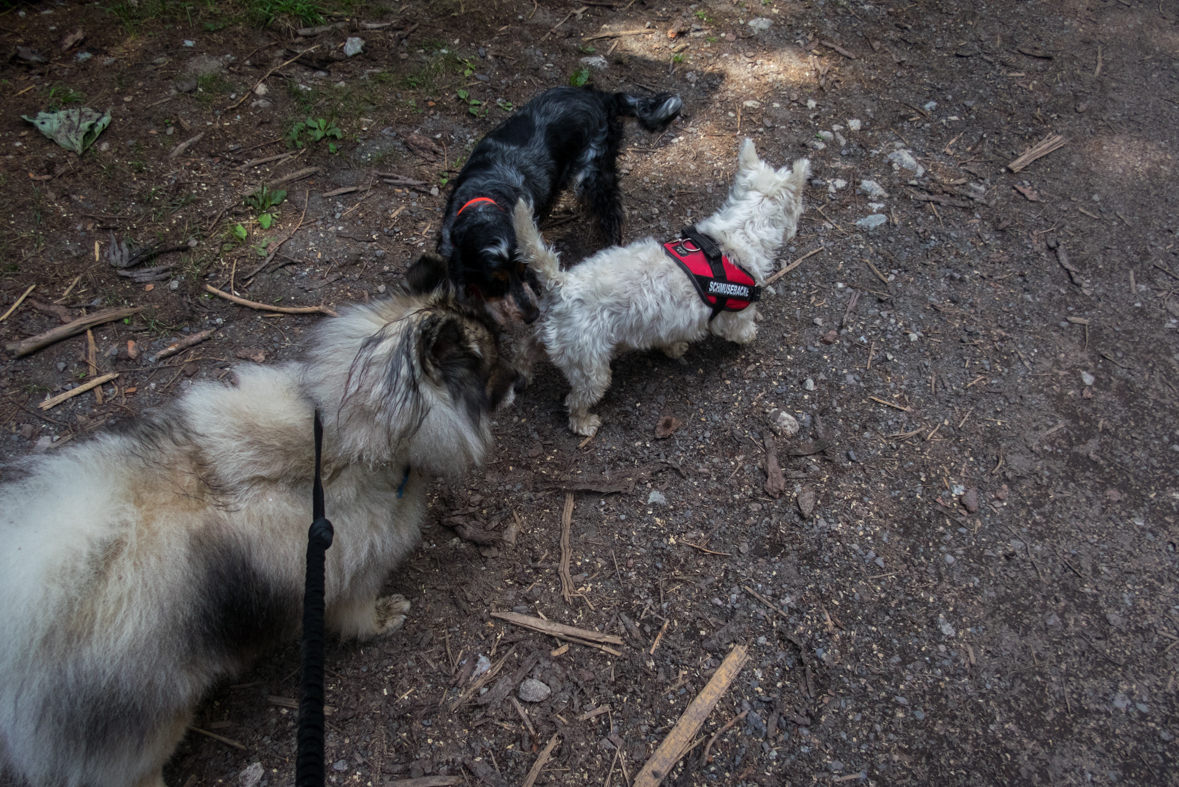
1039,150
41,340
268,308
566,527
559,630
19,301
679,740
49,404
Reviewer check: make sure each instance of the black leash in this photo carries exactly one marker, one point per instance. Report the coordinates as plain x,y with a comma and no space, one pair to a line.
309,766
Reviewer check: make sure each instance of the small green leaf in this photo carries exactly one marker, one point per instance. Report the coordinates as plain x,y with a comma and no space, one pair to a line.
463,94
265,219
332,148
579,77
239,232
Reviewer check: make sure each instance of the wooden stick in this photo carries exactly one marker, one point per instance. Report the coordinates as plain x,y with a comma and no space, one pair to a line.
720,732
557,629
266,76
185,145
876,270
1039,150
838,49
19,301
34,343
268,308
890,404
49,404
221,738
578,13
92,360
541,761
620,34
706,550
679,740
427,781
792,266
298,174
563,569
182,345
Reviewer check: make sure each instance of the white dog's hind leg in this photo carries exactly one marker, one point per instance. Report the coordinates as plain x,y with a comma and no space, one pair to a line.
367,619
676,350
528,349
589,386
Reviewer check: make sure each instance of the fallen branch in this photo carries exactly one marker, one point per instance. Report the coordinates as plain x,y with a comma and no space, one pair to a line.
49,404
559,630
221,738
679,740
568,16
182,345
298,174
268,308
838,49
1039,150
541,761
728,725
427,781
19,301
185,145
619,34
792,266
41,340
566,551
266,76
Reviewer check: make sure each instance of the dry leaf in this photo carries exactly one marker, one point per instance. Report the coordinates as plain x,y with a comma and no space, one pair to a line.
667,426
806,501
1028,192
252,354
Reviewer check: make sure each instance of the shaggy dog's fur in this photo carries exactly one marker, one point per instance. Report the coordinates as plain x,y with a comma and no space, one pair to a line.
637,298
565,135
143,565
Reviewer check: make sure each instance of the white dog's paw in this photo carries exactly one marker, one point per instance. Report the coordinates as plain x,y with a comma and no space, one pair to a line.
391,612
676,350
746,336
585,425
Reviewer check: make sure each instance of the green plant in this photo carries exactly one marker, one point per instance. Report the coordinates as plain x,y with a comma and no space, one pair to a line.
586,49
579,77
239,232
264,201
59,95
474,105
506,106
678,58
703,16
265,12
315,130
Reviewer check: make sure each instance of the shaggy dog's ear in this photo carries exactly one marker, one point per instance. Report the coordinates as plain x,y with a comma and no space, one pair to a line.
444,348
747,158
426,275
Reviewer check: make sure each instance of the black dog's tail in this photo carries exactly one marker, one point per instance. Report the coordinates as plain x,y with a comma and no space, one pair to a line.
654,113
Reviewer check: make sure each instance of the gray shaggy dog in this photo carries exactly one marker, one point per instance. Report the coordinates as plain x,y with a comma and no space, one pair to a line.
144,565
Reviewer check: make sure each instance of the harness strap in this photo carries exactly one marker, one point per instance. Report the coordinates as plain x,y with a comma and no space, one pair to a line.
717,288
472,202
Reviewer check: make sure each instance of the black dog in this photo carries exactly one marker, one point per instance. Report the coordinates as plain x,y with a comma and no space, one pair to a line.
564,134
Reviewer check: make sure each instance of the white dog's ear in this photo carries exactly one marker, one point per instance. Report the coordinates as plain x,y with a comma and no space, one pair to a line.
747,158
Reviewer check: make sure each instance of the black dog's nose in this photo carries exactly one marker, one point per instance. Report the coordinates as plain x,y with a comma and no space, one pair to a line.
520,384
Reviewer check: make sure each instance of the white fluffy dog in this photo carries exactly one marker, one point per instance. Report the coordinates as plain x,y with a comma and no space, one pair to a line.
140,567
637,298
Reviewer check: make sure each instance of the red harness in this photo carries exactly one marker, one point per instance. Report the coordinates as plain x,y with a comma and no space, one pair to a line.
723,284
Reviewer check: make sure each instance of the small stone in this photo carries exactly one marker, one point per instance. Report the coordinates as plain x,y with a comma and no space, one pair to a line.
808,384
132,349
873,189
783,423
806,501
433,191
945,626
252,775
532,690
903,159
970,500
261,89
340,765
853,125
831,337
760,25
353,46
872,222
595,61
381,288
835,766
656,498
1087,378
949,558
751,104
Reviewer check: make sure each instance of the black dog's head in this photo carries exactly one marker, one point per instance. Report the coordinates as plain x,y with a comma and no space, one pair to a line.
484,260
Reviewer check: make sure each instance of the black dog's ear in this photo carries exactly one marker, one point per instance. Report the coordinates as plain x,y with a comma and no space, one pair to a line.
426,275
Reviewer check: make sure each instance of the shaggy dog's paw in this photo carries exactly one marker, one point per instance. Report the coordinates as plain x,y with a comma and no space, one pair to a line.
584,425
391,611
676,350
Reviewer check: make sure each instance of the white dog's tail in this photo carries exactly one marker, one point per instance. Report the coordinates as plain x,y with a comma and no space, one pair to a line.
532,249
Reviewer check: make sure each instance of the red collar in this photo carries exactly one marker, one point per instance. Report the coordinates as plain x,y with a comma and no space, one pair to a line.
472,202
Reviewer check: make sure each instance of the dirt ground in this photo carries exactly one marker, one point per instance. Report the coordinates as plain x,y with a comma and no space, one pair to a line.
966,571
